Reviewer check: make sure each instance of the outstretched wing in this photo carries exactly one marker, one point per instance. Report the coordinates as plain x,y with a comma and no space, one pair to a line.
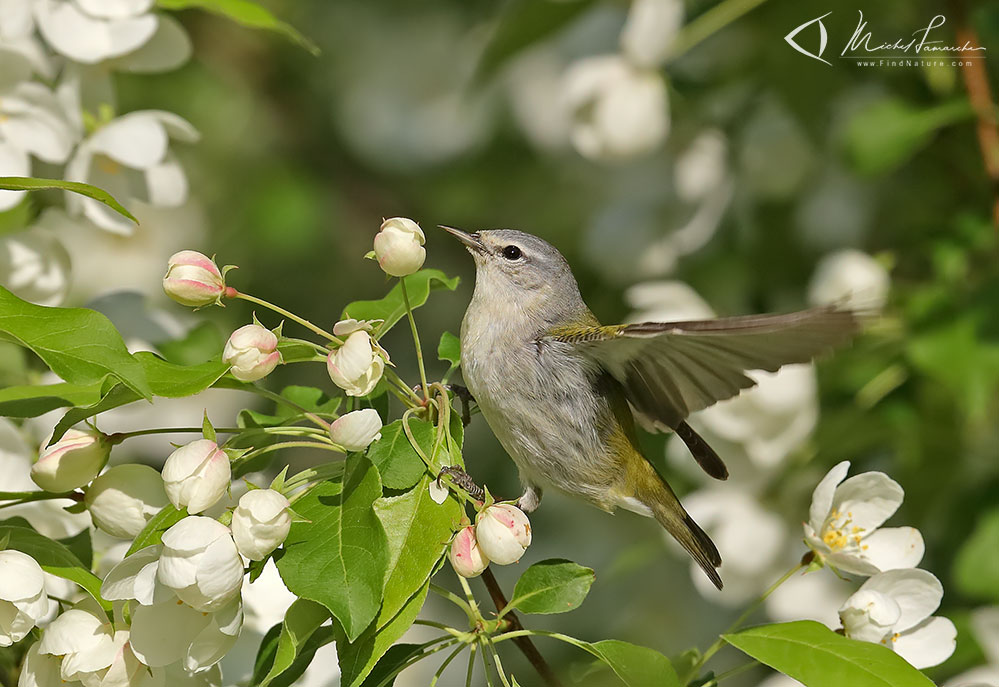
671,369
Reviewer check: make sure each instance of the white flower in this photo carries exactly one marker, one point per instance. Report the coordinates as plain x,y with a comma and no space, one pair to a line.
618,110
85,642
32,120
135,577
503,533
193,279
701,168
39,670
196,475
354,431
35,266
71,462
843,524
465,555
985,628
169,631
130,158
647,36
23,601
266,599
399,246
895,608
809,596
350,325
357,365
123,499
849,278
200,563
90,31
14,162
260,523
252,352
666,301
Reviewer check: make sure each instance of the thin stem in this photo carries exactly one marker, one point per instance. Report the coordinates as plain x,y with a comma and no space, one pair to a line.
19,497
305,342
456,600
447,661
290,315
416,338
278,398
471,599
485,667
471,665
316,474
447,642
709,23
498,662
738,670
288,444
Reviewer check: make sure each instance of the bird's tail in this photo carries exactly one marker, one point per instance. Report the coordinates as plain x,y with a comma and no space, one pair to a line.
703,454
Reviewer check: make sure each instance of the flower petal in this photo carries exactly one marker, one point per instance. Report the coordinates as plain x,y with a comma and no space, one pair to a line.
868,499
822,497
162,633
130,578
929,643
137,139
917,592
168,49
890,548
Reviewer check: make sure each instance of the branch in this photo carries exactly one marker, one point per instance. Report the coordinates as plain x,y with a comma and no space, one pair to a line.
525,644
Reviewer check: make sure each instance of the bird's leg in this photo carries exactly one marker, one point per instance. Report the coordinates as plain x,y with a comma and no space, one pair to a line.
464,480
465,396
531,499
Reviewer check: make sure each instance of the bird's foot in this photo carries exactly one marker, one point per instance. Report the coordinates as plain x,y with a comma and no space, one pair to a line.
530,500
464,480
465,396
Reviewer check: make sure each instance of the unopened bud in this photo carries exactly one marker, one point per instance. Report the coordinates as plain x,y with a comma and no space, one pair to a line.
260,523
399,247
196,475
252,352
193,279
355,430
71,462
467,559
503,532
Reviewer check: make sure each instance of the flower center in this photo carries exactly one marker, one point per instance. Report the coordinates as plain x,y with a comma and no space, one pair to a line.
840,533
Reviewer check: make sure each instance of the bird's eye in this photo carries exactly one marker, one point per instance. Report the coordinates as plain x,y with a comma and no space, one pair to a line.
511,253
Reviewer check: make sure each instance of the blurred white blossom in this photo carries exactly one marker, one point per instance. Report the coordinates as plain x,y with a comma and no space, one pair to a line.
91,31
35,266
985,628
666,301
809,596
702,167
648,34
849,278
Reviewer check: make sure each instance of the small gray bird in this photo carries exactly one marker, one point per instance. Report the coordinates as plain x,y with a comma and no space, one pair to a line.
561,392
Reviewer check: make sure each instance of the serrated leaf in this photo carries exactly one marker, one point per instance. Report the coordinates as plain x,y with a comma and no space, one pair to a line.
245,13
53,557
818,657
976,568
398,463
79,345
301,619
392,307
152,533
418,532
36,184
339,558
358,658
552,586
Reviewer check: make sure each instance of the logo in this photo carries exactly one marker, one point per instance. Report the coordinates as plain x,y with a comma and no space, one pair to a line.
920,48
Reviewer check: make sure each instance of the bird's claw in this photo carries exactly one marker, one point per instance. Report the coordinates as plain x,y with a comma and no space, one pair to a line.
463,480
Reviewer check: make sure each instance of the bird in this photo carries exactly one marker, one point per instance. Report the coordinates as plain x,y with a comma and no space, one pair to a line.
564,394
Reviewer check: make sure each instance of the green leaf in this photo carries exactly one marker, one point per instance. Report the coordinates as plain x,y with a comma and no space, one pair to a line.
449,349
53,557
525,22
268,649
398,463
390,662
418,532
358,658
552,586
976,569
79,345
818,657
636,666
35,400
302,618
339,558
81,546
245,13
35,184
164,379
152,533
199,345
392,307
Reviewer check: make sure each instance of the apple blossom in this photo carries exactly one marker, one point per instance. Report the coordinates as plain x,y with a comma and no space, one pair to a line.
466,555
135,577
618,110
39,670
71,462
197,475
32,121
849,277
647,36
260,523
844,521
355,430
35,266
895,608
357,365
123,499
193,279
74,29
350,325
503,533
252,352
170,631
399,246
200,563
23,601
85,642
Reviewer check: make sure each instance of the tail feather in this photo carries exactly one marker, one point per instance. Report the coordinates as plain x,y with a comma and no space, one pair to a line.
703,454
666,508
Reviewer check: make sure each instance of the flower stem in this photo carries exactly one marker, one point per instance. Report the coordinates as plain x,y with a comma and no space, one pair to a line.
290,315
709,23
416,338
16,498
278,398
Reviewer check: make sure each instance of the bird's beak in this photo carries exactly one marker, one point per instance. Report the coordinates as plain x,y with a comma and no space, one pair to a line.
472,241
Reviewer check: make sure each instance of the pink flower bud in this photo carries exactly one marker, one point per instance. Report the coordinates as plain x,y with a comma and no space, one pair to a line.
193,279
196,475
399,247
355,430
252,352
503,533
466,557
71,462
356,366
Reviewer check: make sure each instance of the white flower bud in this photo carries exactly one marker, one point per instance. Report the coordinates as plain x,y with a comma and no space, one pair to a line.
196,475
252,352
123,499
193,279
503,532
356,366
23,601
260,523
71,462
355,430
399,246
465,555
200,563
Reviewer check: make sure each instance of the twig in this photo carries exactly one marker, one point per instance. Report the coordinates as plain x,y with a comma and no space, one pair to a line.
525,644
